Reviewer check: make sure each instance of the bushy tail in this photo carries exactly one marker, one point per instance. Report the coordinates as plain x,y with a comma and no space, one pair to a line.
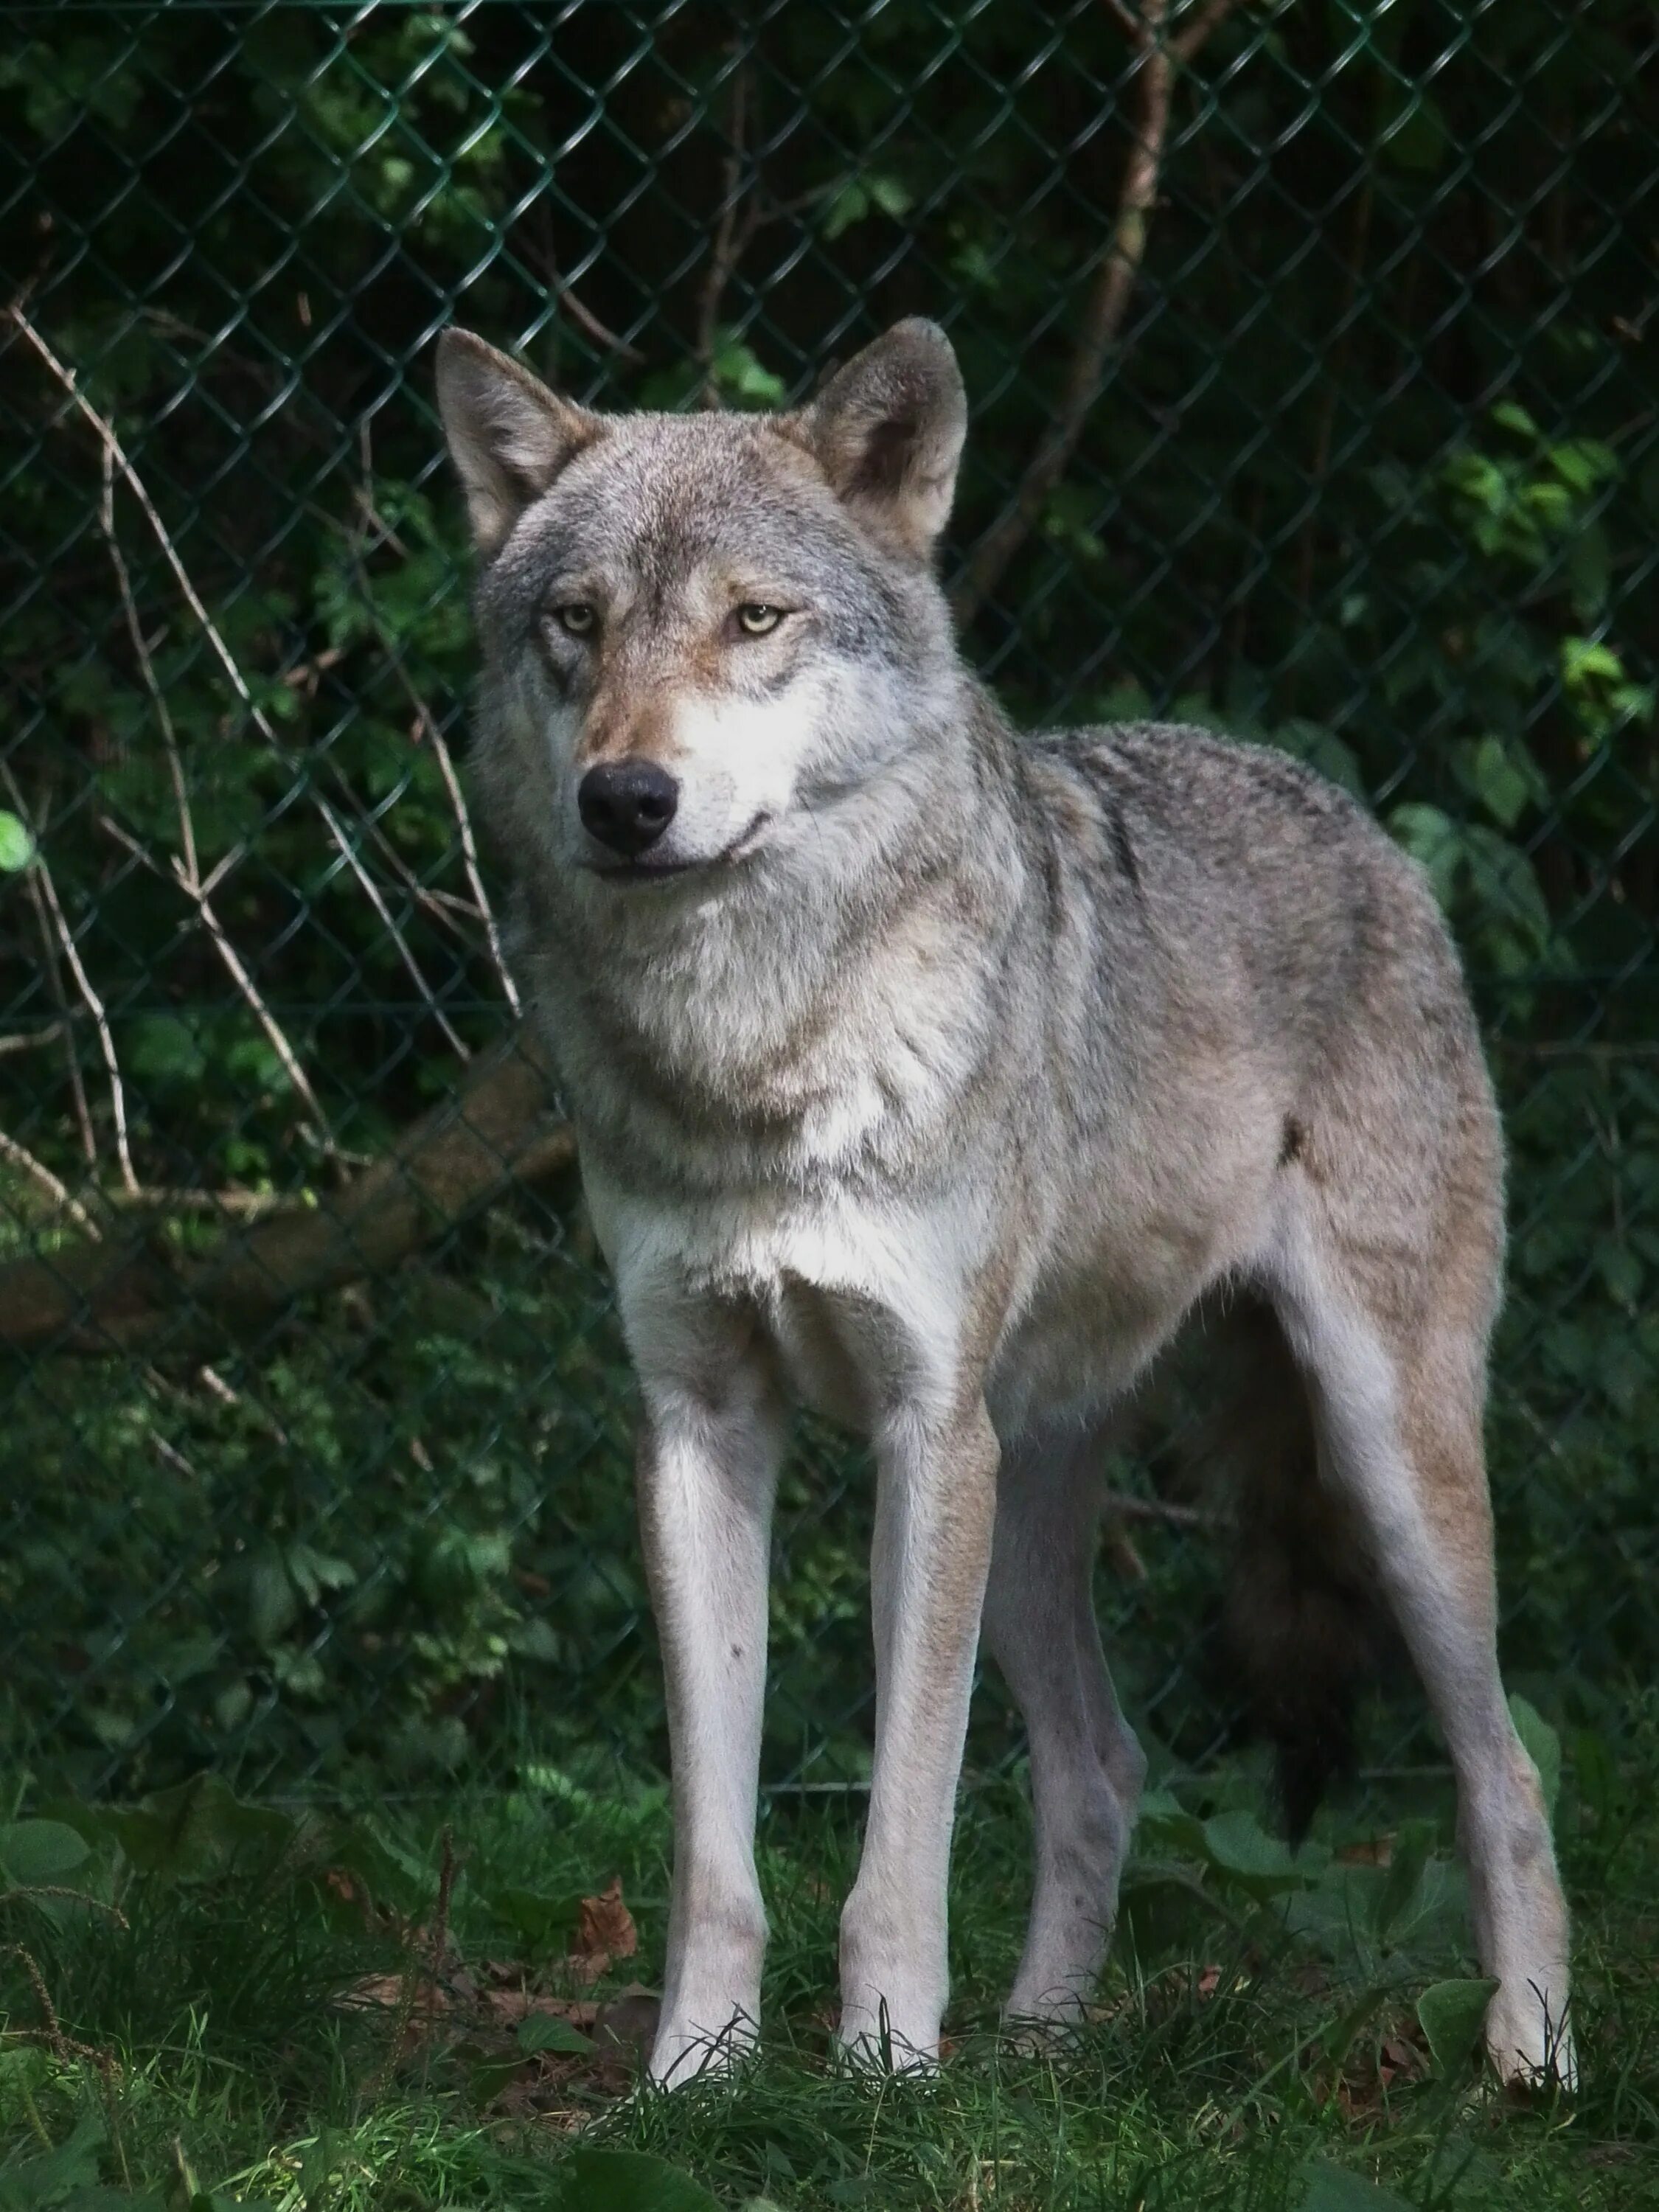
1301,1620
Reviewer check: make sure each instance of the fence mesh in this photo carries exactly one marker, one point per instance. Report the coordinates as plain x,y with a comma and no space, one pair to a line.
1311,355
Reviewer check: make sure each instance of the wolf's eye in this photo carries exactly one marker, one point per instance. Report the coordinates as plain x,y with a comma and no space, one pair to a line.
755,618
578,617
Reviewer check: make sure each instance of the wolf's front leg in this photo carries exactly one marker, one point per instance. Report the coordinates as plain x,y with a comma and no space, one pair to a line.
707,1469
935,1509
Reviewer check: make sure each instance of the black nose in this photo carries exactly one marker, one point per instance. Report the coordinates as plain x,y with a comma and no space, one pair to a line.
627,805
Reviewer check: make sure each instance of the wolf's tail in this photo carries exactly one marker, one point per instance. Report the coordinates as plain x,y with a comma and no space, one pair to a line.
1301,1620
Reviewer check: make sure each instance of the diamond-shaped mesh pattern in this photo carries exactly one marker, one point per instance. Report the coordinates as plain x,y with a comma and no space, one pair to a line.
1311,351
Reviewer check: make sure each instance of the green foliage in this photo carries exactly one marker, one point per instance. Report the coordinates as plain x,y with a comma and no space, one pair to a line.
256,2041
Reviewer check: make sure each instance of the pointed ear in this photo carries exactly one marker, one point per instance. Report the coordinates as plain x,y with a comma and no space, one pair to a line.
509,436
888,432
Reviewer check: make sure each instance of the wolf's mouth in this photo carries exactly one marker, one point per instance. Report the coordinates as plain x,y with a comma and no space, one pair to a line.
657,872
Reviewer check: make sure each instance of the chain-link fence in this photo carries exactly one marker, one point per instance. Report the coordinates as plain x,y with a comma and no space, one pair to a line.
1311,353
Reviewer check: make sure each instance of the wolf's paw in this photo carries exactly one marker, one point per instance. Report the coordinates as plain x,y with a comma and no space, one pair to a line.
876,2042
683,2051
1529,2047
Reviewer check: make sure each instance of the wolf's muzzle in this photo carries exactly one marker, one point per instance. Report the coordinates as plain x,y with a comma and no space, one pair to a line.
627,805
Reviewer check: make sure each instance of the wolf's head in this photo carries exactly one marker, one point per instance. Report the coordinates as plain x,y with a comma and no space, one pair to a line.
705,633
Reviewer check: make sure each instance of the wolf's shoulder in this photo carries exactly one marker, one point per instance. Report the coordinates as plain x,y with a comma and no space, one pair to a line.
1179,771
1195,796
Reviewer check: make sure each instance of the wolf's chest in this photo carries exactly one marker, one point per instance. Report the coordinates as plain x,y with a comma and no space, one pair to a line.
861,1305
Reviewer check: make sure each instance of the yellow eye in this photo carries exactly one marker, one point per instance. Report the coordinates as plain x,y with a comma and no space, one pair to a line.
578,618
754,618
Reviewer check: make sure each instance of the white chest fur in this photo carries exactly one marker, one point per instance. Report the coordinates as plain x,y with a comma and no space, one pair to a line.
862,1302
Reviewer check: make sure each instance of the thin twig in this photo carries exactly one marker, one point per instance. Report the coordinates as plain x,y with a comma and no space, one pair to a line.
448,909
1331,373
733,229
116,460
1159,60
1194,32
426,726
377,900
106,437
187,866
236,968
64,2048
1118,1507
30,1040
26,1889
60,999
470,857
40,875
59,1193
541,251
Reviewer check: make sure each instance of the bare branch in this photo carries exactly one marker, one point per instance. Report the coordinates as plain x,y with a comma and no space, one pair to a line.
30,1040
1119,1506
426,727
64,1025
498,1133
187,867
106,437
237,970
601,333
469,856
376,899
734,227
541,251
1159,61
1197,29
40,876
59,1193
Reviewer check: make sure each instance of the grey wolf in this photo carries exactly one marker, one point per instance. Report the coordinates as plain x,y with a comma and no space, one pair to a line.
933,1076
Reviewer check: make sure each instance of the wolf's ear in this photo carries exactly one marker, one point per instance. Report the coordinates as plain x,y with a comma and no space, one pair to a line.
888,432
509,435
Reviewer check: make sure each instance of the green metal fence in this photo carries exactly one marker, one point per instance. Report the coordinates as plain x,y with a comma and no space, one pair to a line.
1311,353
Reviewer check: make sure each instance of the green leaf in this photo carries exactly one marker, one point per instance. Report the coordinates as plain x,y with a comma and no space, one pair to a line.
537,1919
202,1830
35,2182
889,195
542,2031
850,205
1417,138
1452,2014
1510,415
167,1050
1542,1745
628,2181
1238,1845
1584,659
1432,838
1504,787
1400,1889
1334,2189
17,846
34,1851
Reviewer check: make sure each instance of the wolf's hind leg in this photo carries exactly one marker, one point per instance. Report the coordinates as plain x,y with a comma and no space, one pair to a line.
1398,1405
1087,1768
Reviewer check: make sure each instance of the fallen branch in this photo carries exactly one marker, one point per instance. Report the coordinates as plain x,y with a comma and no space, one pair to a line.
496,1133
1159,59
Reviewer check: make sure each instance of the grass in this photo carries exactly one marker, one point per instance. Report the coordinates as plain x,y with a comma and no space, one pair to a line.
260,2024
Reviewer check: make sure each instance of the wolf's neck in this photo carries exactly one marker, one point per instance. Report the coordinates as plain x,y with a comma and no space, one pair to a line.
814,1009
